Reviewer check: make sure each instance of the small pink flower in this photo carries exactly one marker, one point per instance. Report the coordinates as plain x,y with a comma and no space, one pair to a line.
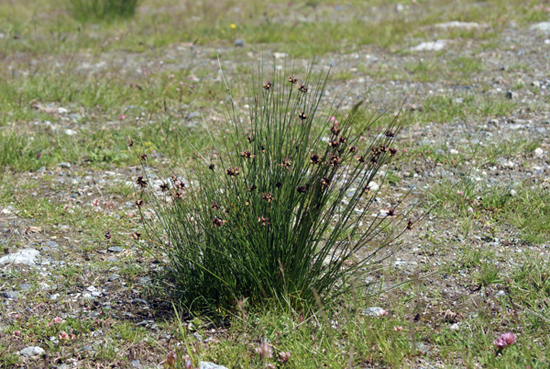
63,336
121,117
504,340
57,320
170,76
50,324
271,366
398,328
16,316
284,356
363,138
459,193
264,350
16,333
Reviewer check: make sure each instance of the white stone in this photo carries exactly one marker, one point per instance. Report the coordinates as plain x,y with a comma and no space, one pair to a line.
430,46
374,311
543,26
538,152
25,256
32,351
62,111
456,24
280,55
374,186
513,192
70,132
6,211
453,152
91,289
455,327
209,365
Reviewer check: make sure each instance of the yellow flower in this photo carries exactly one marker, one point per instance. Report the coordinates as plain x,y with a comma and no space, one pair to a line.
233,26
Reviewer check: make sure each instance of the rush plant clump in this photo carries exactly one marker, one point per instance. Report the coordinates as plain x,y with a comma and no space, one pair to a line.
284,210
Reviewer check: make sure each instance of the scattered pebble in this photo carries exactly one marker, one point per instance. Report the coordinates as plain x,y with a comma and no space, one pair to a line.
239,42
31,351
375,311
538,152
430,46
115,249
25,256
65,165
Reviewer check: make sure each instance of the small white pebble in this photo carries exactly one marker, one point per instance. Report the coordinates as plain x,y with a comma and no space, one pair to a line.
538,152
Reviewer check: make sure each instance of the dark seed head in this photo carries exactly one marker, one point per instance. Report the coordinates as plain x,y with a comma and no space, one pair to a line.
142,157
335,130
108,235
302,115
409,225
325,182
178,195
139,203
360,159
353,149
302,189
390,133
292,80
130,142
215,206
393,151
263,220
217,222
252,188
267,85
278,185
315,159
211,167
268,197
391,212
335,160
141,182
233,172
247,155
136,235
164,187
302,88
343,139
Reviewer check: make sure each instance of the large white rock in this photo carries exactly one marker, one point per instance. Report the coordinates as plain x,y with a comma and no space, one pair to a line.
209,365
32,351
25,256
456,24
431,46
543,26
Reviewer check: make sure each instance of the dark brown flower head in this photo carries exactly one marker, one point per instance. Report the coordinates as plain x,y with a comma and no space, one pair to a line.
353,149
391,212
178,195
233,172
286,163
302,189
174,178
217,222
390,133
393,151
268,197
409,225
366,190
164,187
343,139
292,80
334,143
315,159
360,159
262,149
263,220
136,235
335,160
252,188
335,129
247,155
142,157
108,235
179,184
278,185
325,182
302,115
212,167
267,85
139,203
250,139
141,182
246,203
215,206
302,88
130,142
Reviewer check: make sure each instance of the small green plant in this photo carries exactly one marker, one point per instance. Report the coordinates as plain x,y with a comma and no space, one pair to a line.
86,10
280,211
